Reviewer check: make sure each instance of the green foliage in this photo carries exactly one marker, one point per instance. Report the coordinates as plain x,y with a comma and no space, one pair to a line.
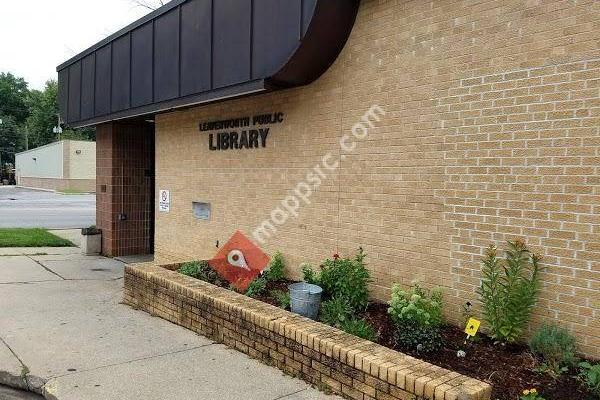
203,271
43,107
589,374
309,275
276,270
531,394
29,116
257,287
509,290
336,312
190,269
556,347
343,278
13,97
12,139
417,317
360,328
282,298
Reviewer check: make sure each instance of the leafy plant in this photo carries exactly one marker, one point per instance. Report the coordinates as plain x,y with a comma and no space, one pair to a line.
276,270
509,290
417,317
360,328
190,269
282,298
345,278
309,275
531,394
257,287
556,347
203,271
589,374
336,312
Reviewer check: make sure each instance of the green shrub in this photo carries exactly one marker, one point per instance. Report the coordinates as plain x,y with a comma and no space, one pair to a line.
336,312
309,275
556,347
282,298
276,270
360,328
257,287
509,290
417,317
345,278
190,269
589,374
203,271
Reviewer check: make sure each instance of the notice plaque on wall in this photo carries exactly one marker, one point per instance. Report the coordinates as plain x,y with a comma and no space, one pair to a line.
164,201
241,133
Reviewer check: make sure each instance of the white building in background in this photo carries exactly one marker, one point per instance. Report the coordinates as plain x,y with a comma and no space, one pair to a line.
64,165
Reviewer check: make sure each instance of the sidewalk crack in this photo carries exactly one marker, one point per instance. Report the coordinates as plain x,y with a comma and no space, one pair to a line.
24,368
46,268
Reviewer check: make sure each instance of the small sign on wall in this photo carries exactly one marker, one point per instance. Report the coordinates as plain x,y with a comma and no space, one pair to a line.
164,201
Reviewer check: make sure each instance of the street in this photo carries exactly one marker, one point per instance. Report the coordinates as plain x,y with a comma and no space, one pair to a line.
26,208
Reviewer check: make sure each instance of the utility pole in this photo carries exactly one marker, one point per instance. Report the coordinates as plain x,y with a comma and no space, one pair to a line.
57,129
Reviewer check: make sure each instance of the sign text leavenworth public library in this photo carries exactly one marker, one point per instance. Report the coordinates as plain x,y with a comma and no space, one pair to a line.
253,138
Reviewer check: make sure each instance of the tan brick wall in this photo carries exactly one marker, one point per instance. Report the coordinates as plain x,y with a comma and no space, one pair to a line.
491,133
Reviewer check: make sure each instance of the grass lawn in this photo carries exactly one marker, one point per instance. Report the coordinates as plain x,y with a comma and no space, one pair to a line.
21,237
71,191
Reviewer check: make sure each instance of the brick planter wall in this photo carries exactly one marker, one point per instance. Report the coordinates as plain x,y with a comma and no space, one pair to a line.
322,355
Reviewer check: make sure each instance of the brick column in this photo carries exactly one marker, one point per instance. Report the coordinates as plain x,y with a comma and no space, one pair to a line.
125,187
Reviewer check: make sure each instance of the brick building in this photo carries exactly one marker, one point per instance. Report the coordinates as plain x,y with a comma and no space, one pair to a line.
466,123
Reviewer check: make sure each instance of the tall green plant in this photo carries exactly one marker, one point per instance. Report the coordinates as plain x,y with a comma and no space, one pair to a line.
509,290
343,278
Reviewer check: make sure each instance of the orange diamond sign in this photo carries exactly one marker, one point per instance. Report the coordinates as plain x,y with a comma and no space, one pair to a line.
239,261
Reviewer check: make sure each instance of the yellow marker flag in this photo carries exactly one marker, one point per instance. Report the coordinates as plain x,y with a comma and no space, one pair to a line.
472,327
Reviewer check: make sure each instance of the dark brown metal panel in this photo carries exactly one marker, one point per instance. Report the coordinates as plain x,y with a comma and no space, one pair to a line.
276,34
313,58
231,42
88,66
63,91
166,56
196,50
121,57
308,10
74,104
141,65
192,52
103,85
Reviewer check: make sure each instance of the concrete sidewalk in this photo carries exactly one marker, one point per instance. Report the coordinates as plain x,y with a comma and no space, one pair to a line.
64,334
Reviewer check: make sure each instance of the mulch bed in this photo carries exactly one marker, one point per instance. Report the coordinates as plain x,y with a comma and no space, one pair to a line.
510,369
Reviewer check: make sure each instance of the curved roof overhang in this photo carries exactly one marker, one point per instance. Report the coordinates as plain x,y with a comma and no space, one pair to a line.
191,52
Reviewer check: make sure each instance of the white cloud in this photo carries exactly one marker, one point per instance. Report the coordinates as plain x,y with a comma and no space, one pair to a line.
38,35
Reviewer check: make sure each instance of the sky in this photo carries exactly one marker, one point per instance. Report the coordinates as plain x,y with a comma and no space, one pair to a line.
38,35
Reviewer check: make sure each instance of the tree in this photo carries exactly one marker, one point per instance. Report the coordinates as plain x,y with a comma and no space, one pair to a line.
44,117
149,4
13,97
11,139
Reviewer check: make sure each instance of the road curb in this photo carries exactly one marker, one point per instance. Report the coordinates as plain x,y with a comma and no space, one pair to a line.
28,382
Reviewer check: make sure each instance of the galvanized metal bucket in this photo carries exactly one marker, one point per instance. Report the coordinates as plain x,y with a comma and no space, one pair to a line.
305,299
